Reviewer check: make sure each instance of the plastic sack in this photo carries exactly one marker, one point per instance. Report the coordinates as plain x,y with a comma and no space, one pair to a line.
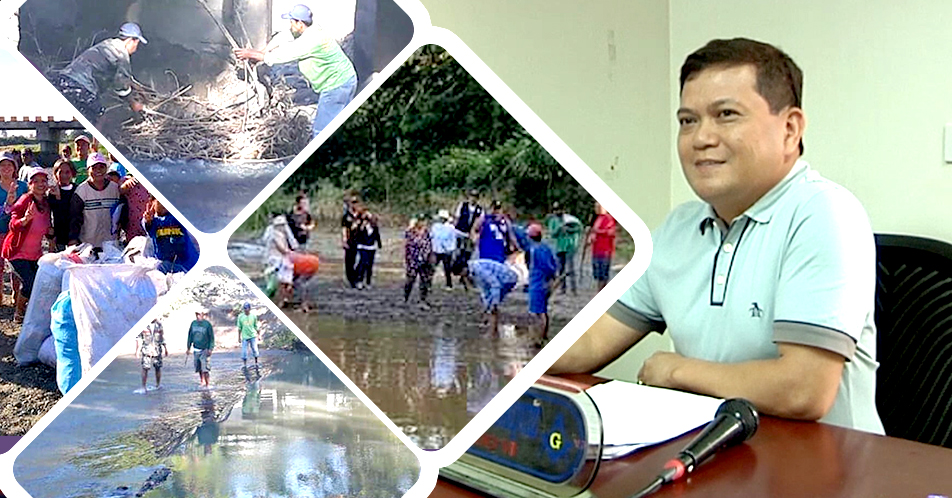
107,300
47,354
271,286
69,368
36,321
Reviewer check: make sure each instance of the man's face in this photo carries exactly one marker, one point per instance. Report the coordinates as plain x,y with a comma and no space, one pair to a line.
732,148
98,171
83,147
297,27
304,204
132,44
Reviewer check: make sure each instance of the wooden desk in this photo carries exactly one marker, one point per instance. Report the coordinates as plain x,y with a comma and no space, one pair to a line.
784,459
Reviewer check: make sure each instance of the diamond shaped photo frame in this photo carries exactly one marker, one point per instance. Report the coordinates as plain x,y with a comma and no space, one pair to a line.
210,99
87,259
272,419
373,331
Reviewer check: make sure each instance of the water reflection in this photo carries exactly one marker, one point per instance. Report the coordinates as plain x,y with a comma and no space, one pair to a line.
430,379
296,432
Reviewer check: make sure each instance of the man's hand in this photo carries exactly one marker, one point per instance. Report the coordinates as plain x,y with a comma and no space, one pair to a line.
136,106
249,54
658,370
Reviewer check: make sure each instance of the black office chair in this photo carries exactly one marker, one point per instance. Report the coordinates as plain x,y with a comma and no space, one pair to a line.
914,346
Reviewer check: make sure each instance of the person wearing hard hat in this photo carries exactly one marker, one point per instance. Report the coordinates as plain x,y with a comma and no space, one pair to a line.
321,60
104,66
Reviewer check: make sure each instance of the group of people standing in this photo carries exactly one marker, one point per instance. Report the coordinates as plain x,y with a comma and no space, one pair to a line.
87,199
150,345
481,247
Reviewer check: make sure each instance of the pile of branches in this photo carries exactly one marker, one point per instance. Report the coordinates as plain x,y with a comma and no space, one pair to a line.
183,126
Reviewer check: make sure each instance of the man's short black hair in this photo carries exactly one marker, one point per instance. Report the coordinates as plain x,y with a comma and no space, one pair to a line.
297,200
779,79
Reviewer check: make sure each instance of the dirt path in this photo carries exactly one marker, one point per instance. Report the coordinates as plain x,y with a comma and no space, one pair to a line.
27,392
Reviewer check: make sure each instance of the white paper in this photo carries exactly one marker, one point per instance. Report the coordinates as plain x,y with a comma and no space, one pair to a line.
635,416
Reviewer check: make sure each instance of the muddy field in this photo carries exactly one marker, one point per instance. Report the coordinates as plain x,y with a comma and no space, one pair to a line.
430,370
384,300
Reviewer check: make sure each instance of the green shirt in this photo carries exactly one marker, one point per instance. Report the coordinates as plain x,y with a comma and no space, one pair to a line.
247,325
565,229
81,175
319,57
200,335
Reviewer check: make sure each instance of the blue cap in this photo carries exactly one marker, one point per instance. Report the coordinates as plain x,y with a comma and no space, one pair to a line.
131,30
299,12
247,306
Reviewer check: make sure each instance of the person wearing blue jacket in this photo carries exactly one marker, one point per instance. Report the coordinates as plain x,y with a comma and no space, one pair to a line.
543,268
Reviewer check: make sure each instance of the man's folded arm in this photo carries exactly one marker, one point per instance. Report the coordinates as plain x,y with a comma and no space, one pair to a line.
801,383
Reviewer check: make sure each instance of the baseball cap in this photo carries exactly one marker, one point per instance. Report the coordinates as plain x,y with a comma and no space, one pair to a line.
82,138
95,158
247,306
37,171
114,169
299,13
444,214
132,30
8,156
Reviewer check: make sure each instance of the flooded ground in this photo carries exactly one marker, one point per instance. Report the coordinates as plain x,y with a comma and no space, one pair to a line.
209,195
295,431
430,370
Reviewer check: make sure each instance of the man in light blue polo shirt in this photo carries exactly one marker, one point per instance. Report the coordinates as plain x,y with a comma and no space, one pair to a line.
768,287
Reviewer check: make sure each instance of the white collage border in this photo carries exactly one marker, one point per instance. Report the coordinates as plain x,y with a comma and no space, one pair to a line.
214,253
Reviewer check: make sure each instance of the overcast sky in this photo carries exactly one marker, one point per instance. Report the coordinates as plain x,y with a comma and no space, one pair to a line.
24,92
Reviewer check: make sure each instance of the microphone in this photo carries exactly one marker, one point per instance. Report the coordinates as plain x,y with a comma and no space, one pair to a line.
736,421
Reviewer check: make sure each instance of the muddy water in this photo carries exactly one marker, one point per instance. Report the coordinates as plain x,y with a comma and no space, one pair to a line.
294,432
429,378
209,194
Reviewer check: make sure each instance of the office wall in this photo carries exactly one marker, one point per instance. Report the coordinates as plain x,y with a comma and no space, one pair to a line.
876,94
595,72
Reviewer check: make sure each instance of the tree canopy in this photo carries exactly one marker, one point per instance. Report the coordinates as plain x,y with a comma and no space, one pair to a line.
431,128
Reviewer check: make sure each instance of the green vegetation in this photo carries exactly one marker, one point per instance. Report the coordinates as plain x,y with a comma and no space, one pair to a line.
121,452
432,130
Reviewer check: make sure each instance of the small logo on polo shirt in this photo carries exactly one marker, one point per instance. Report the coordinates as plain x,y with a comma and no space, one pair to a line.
755,311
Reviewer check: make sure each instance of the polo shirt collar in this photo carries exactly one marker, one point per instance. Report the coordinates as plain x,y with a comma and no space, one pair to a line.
762,210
